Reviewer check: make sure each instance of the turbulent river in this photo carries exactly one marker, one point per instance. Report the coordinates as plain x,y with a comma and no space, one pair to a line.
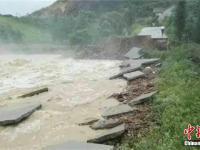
77,89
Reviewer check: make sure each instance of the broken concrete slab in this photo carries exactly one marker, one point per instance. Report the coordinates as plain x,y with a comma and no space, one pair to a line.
79,146
134,53
17,112
34,92
109,134
105,124
138,62
133,65
133,75
149,61
142,98
88,121
117,111
132,68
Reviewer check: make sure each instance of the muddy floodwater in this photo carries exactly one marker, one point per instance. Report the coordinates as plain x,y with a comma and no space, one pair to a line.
78,89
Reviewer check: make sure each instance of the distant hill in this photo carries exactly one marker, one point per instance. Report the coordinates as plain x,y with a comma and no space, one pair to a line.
67,7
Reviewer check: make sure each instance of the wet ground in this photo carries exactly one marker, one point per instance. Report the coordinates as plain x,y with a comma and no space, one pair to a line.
77,89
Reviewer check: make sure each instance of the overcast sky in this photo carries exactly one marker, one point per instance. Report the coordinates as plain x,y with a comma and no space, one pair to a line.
22,7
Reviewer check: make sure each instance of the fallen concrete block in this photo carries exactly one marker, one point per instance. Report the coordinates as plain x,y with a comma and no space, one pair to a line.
109,134
105,124
149,61
132,68
134,53
117,111
79,146
35,92
17,112
138,62
142,98
88,121
133,75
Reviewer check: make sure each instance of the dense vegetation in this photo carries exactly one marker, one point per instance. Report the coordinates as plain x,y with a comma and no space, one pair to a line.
184,25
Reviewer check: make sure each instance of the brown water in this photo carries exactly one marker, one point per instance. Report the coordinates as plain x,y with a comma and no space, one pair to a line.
78,89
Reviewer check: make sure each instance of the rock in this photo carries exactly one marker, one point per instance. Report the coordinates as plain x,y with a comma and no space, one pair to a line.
133,75
17,112
141,99
126,70
88,121
134,53
79,146
105,124
35,92
148,70
109,134
117,111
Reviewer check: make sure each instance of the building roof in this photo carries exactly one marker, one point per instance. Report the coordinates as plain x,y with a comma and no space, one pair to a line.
154,32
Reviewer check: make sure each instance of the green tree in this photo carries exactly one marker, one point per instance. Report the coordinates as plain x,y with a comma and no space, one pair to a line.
196,31
180,19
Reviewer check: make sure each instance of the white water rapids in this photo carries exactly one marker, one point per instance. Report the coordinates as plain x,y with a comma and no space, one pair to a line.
77,89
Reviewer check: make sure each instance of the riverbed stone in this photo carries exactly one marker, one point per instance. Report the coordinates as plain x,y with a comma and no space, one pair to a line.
15,113
34,92
88,121
105,124
118,110
108,134
142,98
133,75
79,146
